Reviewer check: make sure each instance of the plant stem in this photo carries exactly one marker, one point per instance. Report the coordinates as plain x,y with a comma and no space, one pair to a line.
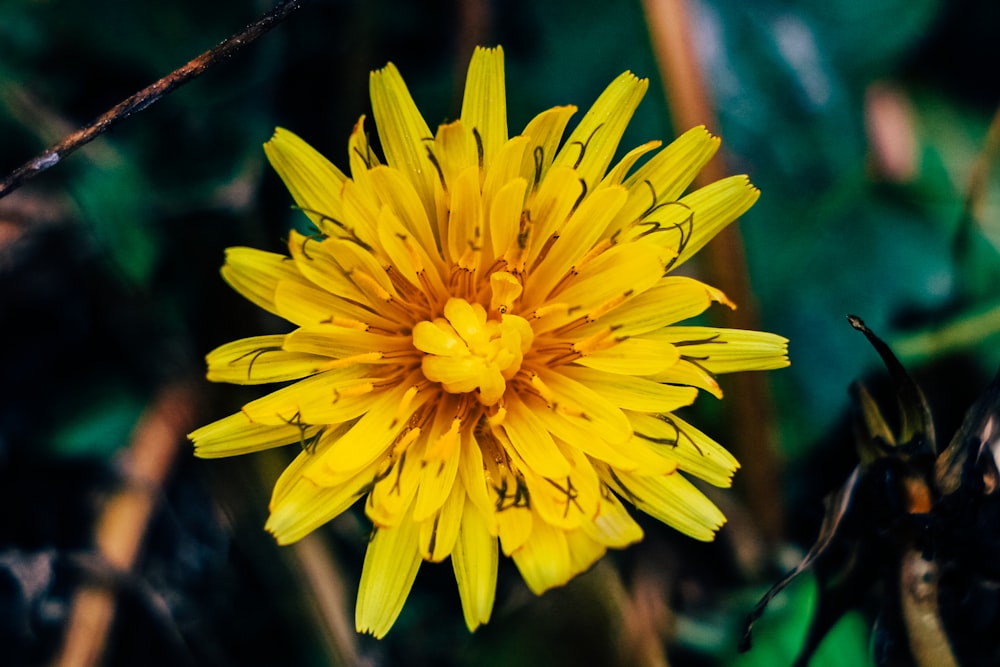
147,96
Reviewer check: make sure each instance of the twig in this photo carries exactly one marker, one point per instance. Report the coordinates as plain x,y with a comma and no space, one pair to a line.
124,519
750,413
147,96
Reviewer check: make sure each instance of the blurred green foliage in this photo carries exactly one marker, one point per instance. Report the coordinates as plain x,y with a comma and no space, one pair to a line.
118,289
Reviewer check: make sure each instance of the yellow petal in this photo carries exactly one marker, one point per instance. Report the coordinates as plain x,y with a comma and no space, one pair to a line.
591,424
439,467
671,437
362,158
703,214
584,550
567,501
236,434
403,132
547,210
505,217
602,286
728,350
361,208
543,132
362,267
514,528
398,193
439,533
385,418
406,255
474,559
308,306
613,526
529,437
576,237
311,179
330,397
592,145
544,560
484,105
259,360
322,263
455,150
289,479
465,224
391,565
579,404
617,174
672,299
503,168
632,393
338,342
511,505
668,173
398,479
302,506
673,500
633,356
690,373
256,274
472,474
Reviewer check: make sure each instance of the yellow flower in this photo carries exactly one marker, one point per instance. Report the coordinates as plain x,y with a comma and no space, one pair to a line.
485,347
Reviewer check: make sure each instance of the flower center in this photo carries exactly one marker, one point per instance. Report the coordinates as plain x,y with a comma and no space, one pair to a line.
465,351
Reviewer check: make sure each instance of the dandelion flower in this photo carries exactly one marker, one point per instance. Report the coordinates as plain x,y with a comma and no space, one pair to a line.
486,348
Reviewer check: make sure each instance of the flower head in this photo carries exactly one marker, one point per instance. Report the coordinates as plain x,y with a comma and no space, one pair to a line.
486,349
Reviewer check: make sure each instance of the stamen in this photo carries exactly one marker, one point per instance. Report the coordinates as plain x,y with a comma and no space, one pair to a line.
462,282
350,234
355,390
404,404
552,309
347,323
538,155
407,438
583,146
445,445
480,151
368,283
505,290
542,389
609,305
574,270
437,167
602,340
254,355
565,352
570,491
549,396
666,419
497,418
549,242
412,250
593,253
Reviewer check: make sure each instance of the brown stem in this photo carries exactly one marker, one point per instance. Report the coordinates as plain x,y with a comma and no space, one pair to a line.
750,411
147,96
124,519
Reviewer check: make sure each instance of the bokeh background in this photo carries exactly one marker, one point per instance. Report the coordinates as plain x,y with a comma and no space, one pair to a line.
866,123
